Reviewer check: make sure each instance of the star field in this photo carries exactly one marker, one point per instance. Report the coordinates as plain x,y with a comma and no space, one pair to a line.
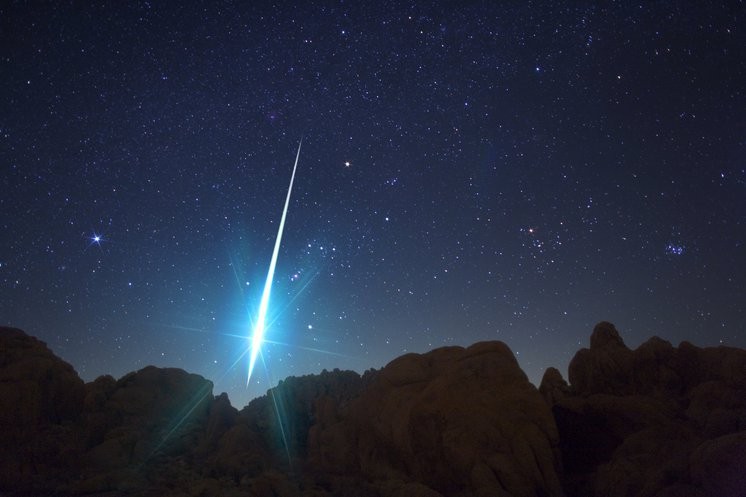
511,171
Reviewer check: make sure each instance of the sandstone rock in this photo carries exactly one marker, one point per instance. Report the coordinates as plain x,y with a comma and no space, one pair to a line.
292,413
633,419
593,431
646,462
654,369
41,396
454,420
604,368
395,488
719,465
37,387
240,453
553,386
657,421
146,415
221,418
681,490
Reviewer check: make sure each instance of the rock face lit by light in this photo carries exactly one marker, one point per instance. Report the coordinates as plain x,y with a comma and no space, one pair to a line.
258,336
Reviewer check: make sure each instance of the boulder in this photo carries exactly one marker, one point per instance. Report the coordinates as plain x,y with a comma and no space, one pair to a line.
41,398
38,388
648,421
137,422
457,421
604,368
657,421
718,465
553,386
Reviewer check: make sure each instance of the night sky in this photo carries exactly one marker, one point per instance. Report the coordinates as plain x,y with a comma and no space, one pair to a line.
512,171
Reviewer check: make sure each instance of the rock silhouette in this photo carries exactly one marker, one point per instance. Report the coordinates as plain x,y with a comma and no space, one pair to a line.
459,421
41,399
657,421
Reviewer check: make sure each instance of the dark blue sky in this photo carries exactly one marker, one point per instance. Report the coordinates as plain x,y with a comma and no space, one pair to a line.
472,171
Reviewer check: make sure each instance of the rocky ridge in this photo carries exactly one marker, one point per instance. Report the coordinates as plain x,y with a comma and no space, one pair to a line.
657,421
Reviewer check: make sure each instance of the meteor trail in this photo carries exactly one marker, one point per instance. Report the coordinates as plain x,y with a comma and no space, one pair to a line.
258,336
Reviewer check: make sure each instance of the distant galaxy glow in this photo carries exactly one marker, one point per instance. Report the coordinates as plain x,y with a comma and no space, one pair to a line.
259,328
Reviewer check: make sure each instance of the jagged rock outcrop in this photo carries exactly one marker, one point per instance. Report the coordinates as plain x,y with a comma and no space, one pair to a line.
134,423
553,386
456,421
41,398
290,410
657,421
654,421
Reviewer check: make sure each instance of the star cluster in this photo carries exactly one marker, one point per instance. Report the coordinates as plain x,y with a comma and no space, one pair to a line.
470,171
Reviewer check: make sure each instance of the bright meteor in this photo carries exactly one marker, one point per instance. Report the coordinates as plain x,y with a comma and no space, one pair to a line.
258,337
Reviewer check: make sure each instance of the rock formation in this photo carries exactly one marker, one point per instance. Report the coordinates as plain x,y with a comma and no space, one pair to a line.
40,403
456,421
656,421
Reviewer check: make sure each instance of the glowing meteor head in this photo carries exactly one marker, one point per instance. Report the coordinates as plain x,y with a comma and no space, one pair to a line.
256,343
257,338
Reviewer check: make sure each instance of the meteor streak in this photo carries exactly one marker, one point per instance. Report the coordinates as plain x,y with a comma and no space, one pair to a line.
258,336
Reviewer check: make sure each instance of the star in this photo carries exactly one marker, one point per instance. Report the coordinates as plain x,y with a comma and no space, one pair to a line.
95,239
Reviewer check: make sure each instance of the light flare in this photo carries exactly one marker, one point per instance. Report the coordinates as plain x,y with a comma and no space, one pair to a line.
258,336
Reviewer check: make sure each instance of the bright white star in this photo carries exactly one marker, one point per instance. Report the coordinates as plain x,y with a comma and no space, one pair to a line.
95,239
